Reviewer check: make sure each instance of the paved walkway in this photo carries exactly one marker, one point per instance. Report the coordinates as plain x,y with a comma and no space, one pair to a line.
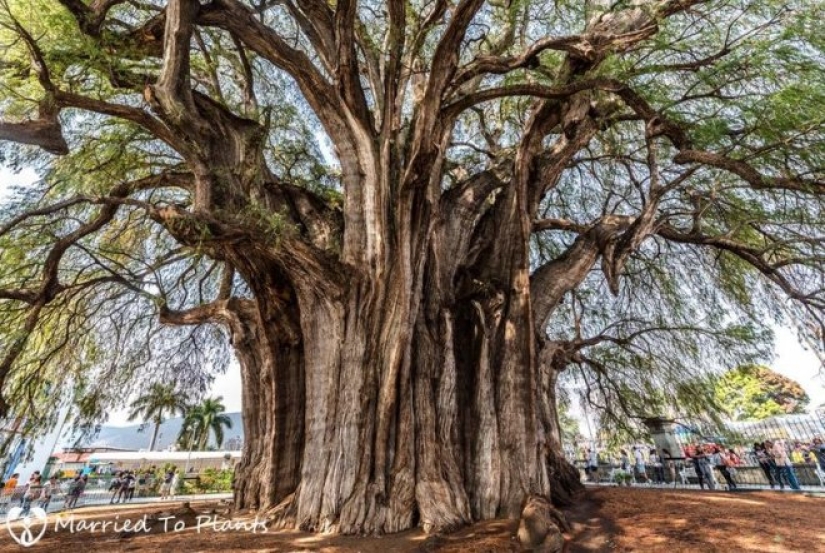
98,498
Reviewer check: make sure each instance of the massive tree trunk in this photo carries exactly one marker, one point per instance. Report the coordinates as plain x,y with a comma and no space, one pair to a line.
410,397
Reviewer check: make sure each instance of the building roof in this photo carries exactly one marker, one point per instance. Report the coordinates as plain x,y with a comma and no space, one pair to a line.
161,456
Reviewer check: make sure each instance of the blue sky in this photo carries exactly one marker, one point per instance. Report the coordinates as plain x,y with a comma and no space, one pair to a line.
791,358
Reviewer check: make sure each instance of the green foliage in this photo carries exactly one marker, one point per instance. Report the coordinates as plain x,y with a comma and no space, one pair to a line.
202,420
754,392
156,403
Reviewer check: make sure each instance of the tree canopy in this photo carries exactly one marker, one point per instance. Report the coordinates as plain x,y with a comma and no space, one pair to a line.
754,392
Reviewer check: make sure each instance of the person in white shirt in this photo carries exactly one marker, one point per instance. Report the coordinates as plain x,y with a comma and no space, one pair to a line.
593,464
639,467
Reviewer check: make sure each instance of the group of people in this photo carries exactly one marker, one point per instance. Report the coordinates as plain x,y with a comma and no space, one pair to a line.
123,486
38,493
34,491
637,465
707,457
125,483
775,457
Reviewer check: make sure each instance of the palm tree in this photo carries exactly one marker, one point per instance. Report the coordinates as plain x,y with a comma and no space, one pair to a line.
161,399
201,420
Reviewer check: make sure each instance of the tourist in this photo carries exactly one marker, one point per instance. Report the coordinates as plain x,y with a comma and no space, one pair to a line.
639,471
11,483
125,481
593,464
671,465
114,486
658,467
701,463
723,464
33,491
166,485
766,463
797,454
10,487
818,448
130,486
784,466
75,491
624,460
173,485
49,489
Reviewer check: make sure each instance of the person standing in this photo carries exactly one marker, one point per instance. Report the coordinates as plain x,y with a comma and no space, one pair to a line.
173,485
701,463
114,486
123,491
766,463
130,486
166,485
49,489
76,490
624,460
818,448
33,491
658,467
784,466
11,483
593,464
640,471
722,462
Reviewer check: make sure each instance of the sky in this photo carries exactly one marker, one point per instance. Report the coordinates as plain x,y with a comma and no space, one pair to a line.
791,358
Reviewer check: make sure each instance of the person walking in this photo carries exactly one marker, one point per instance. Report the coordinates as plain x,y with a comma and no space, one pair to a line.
784,466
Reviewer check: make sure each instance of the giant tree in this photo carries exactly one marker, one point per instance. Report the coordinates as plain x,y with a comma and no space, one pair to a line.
408,219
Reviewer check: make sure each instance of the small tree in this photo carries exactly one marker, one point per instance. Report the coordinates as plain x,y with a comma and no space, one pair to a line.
154,405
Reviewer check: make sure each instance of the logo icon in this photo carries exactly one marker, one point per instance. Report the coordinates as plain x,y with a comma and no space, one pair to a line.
25,536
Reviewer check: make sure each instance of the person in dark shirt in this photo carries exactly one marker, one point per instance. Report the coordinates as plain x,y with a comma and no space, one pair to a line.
819,449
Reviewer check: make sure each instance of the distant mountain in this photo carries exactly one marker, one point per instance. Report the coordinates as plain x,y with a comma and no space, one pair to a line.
138,436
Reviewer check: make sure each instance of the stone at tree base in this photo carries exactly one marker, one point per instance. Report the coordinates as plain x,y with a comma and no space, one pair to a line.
541,526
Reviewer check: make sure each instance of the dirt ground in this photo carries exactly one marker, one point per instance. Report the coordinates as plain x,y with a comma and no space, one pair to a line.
605,519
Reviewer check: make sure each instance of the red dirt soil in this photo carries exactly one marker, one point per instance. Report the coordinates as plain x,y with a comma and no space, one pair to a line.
605,519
